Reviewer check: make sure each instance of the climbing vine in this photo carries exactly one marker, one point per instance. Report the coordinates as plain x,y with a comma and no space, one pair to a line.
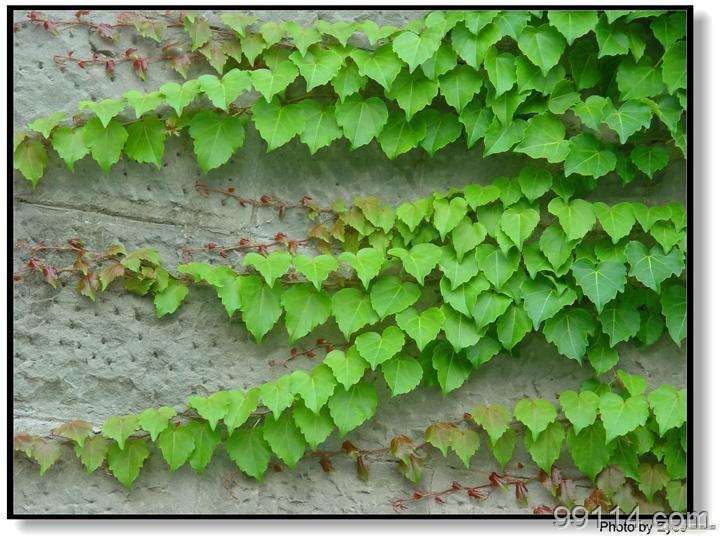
520,81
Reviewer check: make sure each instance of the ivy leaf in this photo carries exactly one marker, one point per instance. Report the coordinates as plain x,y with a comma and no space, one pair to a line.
270,82
620,416
92,453
352,310
584,64
125,463
305,309
170,298
198,29
424,327
543,45
676,495
669,407
576,218
180,96
452,369
374,33
260,306
284,438
588,449
316,269
497,266
465,443
104,142
592,111
212,408
651,266
367,263
501,138
348,81
674,309
573,24
176,444
420,260
45,452
650,159
544,138
222,92
512,22
249,451
504,447
412,91
156,420
620,323
240,406
610,40
472,47
414,49
512,326
443,60
669,29
205,440
146,140
440,130
602,283
389,295
376,349
519,223
617,220
317,66
277,395
668,236
315,388
119,428
271,267
348,367
401,135
46,125
464,296
381,65
628,119
580,409
315,427
637,80
77,431
501,70
457,272
104,110
448,214
68,143
460,331
352,407
440,436
674,67
562,97
476,118
543,301
587,157
320,128
276,123
494,418
302,36
653,478
569,331
545,447
215,138
535,414
361,119
30,159
467,236
402,374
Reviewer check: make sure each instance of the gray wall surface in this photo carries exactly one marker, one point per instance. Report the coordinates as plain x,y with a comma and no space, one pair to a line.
74,359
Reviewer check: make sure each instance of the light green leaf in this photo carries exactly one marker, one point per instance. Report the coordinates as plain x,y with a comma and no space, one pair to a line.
620,416
501,138
669,407
205,441
30,159
402,374
651,266
460,331
367,263
104,110
314,388
562,97
674,309
588,449
277,394
104,142
389,295
361,119
146,141
348,81
271,267
569,331
466,236
222,92
249,451
587,157
572,24
381,65
465,443
545,447
617,220
125,463
316,269
317,66
270,82
212,408
414,49
497,266
348,367
376,349
420,260
650,159
452,369
457,272
592,111
576,218
441,129
601,283
284,438
180,96
215,138
535,414
473,47
628,119
519,223
119,428
443,60
424,327
68,143
46,125
240,406
92,453
543,301
504,447
176,445
543,45
580,409
302,36
320,127
611,41
314,427
476,118
305,309
260,306
494,418
401,135
544,138
412,91
351,408
352,310
620,323
278,124
500,68
512,326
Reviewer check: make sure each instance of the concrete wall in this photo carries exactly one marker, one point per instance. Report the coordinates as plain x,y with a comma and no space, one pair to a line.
75,359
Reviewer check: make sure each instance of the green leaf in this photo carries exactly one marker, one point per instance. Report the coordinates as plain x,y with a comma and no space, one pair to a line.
580,409
544,138
341,30
401,135
452,369
501,138
441,129
389,295
367,263
424,327
205,441
215,138
545,447
198,29
569,331
352,310
584,64
317,66
588,449
376,349
30,158
412,91
402,374
617,220
543,301
352,407
260,306
464,296
414,49
420,260
305,309
443,60
348,82
512,22
348,367
440,436
278,124
488,307
457,272
669,407
170,298
284,438
668,236
572,24
512,326
68,143
249,451
504,447
222,92
314,388
104,142
119,428
587,157
465,443
669,29
500,68
563,97
628,119
271,267
494,418
519,223
467,236
302,36
601,283
212,408
180,96
361,119
636,80
46,453
653,478
176,444
472,47
651,266
315,427
125,462
270,82
633,384
620,323
448,214
620,416
146,140
543,45
156,420
476,118
381,65
535,414
320,127
92,453
602,357
497,266
676,495
576,218
674,67
240,406
277,394
592,111
374,33
47,124
611,41
104,110
650,159
555,245
316,269
460,330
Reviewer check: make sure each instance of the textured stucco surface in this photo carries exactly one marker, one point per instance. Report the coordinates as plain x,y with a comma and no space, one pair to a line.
74,359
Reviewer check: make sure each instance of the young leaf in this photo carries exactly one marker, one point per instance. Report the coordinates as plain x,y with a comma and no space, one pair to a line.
669,407
125,463
620,416
271,267
545,447
536,414
222,92
367,263
176,445
576,218
249,451
270,82
317,66
260,306
544,138
92,453
212,408
119,428
240,406
465,443
580,409
315,388
315,427
284,438
104,142
156,420
381,65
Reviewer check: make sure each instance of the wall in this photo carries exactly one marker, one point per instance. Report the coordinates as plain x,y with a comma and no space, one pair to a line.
74,359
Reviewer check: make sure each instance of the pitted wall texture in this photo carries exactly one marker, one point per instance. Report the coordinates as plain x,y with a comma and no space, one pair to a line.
74,359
